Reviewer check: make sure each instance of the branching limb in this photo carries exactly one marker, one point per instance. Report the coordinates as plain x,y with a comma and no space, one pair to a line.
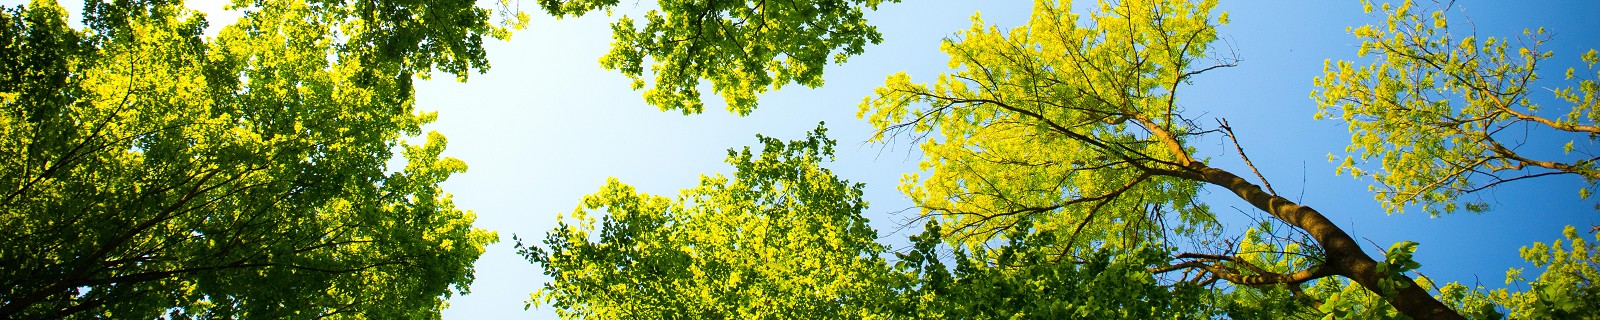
1223,123
1212,263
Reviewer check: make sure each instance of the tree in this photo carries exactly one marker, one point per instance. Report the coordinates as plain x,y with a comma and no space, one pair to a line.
782,238
743,48
153,172
1103,100
1448,116
1057,122
1435,110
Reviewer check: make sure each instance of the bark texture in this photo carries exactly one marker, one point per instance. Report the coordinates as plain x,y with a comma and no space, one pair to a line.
1344,255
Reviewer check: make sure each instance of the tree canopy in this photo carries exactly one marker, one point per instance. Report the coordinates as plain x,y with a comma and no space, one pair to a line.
1056,122
743,48
156,172
785,238
1434,109
279,168
781,238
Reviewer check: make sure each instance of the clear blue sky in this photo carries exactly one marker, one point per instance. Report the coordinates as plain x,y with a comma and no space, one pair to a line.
546,125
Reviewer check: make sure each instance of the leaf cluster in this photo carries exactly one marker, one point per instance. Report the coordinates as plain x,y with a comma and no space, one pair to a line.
1023,279
154,172
1051,122
1433,109
783,237
743,48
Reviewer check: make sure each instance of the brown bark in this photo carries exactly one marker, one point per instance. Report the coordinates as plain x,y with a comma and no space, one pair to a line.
1262,277
1344,256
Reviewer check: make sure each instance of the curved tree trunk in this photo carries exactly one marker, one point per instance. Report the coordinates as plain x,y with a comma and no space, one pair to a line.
1344,256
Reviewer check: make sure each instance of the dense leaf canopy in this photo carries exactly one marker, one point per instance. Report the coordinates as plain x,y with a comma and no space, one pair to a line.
784,238
154,172
1035,124
279,168
743,48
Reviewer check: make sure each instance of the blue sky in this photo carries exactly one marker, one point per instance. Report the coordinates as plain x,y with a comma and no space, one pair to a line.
546,125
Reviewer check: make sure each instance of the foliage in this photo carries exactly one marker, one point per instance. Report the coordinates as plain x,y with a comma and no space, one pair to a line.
1058,171
1316,299
1567,287
782,238
1265,251
1564,290
1074,124
743,48
785,238
153,172
1433,110
1034,125
1022,280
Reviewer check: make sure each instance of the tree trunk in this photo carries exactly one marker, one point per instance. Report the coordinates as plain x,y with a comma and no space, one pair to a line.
1344,256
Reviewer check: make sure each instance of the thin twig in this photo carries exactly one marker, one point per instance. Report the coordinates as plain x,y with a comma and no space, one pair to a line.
1229,131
